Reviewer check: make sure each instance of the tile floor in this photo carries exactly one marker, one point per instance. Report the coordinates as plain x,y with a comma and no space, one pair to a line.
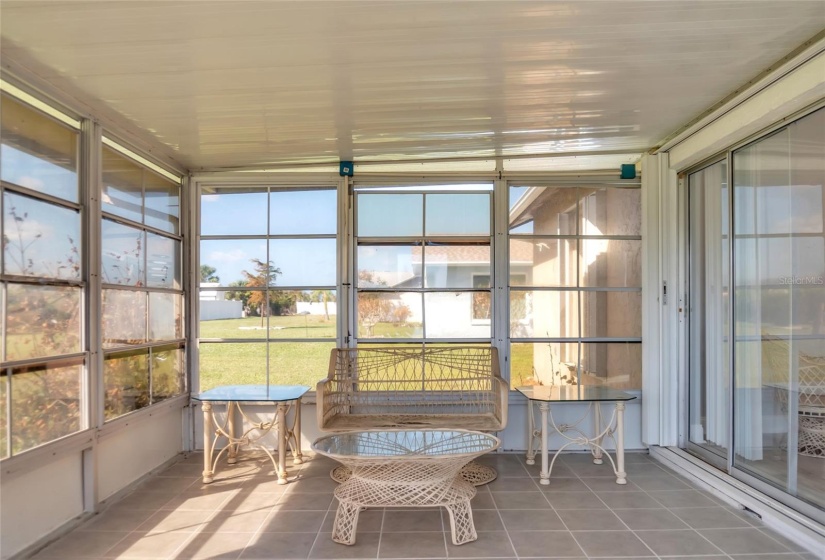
246,515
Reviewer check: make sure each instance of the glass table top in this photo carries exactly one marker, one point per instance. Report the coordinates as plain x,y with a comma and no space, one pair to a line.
572,393
252,393
399,443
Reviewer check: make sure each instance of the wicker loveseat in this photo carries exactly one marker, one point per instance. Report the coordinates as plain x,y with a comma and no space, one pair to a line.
371,388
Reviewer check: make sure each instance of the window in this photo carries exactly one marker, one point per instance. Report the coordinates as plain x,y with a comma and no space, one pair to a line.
142,300
43,351
575,285
423,263
268,299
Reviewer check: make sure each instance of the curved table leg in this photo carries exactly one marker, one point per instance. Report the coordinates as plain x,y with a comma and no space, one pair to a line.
346,522
462,528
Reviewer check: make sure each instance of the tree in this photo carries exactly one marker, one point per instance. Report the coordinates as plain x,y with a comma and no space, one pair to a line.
208,274
324,296
239,295
377,307
263,277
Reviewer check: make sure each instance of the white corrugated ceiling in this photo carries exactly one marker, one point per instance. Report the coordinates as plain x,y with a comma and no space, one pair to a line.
236,84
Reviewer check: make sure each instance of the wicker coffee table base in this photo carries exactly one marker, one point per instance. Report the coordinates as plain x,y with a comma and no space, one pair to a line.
473,472
456,500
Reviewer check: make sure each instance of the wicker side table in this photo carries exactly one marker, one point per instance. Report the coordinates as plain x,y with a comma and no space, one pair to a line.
405,468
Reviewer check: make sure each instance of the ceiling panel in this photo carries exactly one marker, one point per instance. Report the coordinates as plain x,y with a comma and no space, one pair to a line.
237,84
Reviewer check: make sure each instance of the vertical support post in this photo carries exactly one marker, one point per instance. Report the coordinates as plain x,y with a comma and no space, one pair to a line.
282,442
208,442
230,426
531,434
545,472
621,475
597,428
297,456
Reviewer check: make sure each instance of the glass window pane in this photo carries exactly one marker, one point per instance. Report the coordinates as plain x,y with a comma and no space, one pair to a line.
41,239
453,266
457,214
45,404
37,152
239,315
303,262
543,262
42,321
124,318
227,211
616,364
546,313
543,363
162,262
611,314
302,314
298,212
162,200
126,382
610,211
390,215
450,314
233,260
232,364
543,210
389,266
611,263
389,315
299,363
123,254
168,373
122,186
165,316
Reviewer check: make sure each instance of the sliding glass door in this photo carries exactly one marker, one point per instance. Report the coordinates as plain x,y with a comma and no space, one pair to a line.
764,419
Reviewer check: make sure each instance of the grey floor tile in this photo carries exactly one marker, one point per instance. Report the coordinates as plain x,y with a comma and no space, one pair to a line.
490,544
641,519
214,546
483,519
513,484
673,543
545,543
564,485
591,519
683,498
520,500
176,520
366,546
530,520
628,500
602,484
646,469
308,501
149,545
777,556
483,500
611,543
786,542
283,546
321,483
711,518
413,545
413,520
653,483
743,541
235,522
80,544
117,518
575,500
289,521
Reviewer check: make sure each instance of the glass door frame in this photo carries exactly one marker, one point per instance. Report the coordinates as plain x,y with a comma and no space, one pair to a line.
725,464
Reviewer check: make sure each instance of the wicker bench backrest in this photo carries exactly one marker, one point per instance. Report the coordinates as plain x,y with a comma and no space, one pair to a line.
413,381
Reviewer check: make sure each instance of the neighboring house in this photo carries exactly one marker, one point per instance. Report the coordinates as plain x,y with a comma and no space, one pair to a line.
213,304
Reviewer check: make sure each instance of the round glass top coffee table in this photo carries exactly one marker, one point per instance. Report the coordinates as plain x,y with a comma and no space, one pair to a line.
405,468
